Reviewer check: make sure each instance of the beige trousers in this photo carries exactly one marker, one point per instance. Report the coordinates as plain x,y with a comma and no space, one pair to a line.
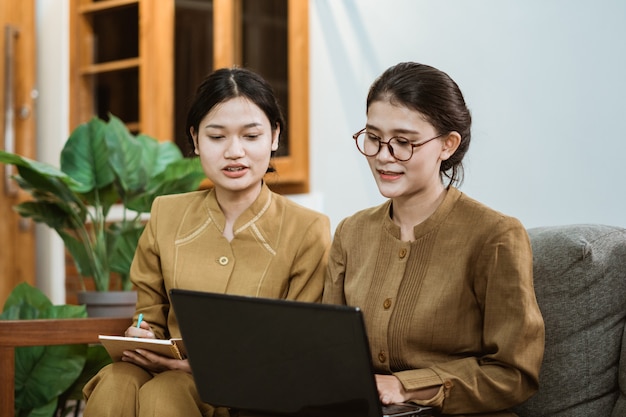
122,389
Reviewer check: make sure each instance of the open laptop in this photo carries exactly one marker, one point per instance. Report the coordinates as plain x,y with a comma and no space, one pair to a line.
281,358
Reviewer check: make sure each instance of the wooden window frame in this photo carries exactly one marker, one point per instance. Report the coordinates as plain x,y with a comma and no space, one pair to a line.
156,74
292,170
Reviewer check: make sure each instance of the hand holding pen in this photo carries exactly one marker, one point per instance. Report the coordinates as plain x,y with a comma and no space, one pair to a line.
141,329
147,359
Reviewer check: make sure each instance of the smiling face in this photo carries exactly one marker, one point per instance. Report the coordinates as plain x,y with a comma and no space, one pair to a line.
235,142
419,175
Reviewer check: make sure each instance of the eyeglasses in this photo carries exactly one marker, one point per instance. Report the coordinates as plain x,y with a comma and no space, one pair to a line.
400,148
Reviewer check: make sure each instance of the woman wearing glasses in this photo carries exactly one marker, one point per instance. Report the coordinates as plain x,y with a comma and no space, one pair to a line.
444,282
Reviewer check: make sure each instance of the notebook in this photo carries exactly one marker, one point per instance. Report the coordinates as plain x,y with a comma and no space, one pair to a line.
280,358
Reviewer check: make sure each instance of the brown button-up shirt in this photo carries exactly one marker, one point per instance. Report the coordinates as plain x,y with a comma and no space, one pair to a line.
454,308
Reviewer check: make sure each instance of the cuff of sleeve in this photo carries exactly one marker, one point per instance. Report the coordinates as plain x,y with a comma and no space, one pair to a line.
419,378
423,378
436,401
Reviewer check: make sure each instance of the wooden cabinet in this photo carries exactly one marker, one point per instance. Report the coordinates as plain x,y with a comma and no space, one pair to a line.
142,60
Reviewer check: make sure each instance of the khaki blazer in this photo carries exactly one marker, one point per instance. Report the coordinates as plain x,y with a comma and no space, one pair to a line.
279,251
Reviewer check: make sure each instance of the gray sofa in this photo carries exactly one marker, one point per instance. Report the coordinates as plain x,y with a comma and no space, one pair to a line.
580,281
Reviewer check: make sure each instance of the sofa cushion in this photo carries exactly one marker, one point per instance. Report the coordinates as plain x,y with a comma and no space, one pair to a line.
580,282
620,407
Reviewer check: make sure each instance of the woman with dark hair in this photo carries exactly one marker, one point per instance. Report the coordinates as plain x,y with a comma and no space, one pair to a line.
238,238
444,282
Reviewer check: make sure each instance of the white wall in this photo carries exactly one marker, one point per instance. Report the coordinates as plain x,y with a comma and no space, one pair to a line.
545,80
52,21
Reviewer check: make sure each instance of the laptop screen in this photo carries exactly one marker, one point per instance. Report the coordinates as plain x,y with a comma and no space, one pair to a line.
276,356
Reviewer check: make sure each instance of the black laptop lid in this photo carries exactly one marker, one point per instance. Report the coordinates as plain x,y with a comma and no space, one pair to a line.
276,356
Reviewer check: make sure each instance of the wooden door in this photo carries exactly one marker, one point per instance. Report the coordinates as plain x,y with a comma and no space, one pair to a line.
17,130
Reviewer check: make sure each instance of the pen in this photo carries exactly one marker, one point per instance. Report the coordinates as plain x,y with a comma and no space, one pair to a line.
139,320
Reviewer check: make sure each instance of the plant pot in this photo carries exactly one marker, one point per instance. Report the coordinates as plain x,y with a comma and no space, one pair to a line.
108,303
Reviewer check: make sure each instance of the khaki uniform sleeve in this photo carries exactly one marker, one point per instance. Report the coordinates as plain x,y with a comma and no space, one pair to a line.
307,278
146,275
335,272
507,372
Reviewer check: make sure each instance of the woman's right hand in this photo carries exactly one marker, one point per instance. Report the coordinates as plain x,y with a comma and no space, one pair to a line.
144,331
155,362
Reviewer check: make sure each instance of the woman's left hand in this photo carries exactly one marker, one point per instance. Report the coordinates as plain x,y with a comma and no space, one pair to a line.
390,389
154,362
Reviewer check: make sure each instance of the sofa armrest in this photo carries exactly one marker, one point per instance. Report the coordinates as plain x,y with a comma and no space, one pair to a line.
580,282
16,333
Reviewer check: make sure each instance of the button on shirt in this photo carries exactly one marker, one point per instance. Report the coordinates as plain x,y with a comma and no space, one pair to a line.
397,253
393,255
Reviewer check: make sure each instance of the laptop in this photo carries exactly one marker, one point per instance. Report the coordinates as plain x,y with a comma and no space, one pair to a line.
281,358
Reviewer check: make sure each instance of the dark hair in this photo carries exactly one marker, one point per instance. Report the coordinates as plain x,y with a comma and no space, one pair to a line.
227,83
435,95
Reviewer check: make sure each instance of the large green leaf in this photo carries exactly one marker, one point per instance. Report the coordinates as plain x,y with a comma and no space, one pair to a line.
55,203
125,157
159,154
181,176
39,176
122,246
41,167
45,372
45,184
26,296
20,312
85,157
50,190
65,311
47,410
54,215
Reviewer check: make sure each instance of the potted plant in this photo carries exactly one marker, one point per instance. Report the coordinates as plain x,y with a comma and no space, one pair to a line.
102,165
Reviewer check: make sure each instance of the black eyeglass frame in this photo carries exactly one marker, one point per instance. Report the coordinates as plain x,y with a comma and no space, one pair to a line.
388,143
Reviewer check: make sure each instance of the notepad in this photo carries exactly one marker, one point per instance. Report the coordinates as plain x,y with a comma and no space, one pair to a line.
116,345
